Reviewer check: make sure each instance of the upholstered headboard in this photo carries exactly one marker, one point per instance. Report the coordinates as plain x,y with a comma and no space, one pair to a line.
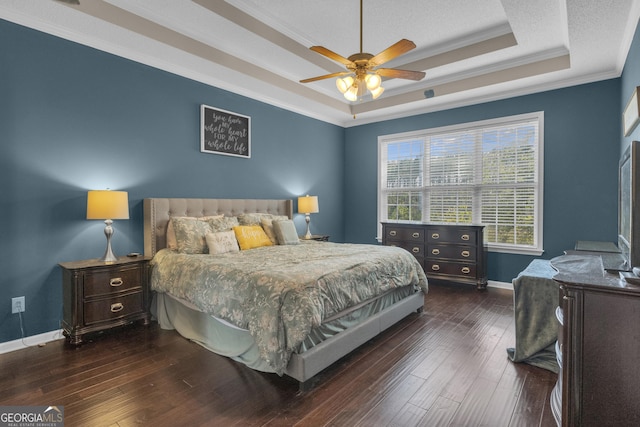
158,211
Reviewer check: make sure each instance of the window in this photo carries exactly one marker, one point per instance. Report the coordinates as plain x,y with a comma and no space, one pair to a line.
487,172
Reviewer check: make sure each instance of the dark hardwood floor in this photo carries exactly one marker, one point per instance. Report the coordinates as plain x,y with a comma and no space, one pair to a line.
447,366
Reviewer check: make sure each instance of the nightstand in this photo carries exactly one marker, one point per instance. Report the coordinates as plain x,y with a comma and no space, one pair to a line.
317,237
98,295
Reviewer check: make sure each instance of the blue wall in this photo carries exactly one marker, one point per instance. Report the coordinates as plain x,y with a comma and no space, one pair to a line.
73,118
581,134
630,80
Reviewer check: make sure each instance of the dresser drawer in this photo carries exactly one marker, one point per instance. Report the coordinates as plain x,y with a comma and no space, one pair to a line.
450,268
107,281
451,235
417,249
106,309
410,234
462,253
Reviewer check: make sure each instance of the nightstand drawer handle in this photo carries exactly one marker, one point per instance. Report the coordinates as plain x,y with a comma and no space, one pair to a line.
116,281
435,251
117,307
465,254
415,235
392,233
435,267
415,250
435,236
465,237
466,270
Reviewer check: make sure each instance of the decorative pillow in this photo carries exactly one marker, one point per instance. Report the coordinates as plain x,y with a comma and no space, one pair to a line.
251,236
222,242
171,234
267,226
286,232
256,218
223,224
190,235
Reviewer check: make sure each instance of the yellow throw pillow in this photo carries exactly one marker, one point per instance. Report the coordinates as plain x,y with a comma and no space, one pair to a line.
251,236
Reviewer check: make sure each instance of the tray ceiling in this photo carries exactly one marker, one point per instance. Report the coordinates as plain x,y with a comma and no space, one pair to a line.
471,51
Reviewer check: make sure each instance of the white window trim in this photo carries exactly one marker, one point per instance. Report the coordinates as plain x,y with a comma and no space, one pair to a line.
493,247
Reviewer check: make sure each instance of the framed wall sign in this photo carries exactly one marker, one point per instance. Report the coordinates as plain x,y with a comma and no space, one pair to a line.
631,115
224,132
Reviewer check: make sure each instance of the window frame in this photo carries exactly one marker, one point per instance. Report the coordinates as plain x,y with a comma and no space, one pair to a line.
424,134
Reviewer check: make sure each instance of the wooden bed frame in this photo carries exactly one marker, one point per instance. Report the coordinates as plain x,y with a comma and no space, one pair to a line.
303,366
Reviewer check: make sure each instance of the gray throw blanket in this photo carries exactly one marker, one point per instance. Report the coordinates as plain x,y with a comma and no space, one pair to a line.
535,299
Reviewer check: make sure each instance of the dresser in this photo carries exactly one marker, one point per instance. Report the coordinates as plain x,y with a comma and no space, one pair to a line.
98,295
599,344
454,253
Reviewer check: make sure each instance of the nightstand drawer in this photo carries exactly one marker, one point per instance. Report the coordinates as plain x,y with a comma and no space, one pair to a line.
107,281
462,253
112,308
451,235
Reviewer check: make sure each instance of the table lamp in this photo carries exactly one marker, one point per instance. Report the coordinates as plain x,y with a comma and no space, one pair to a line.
108,205
308,205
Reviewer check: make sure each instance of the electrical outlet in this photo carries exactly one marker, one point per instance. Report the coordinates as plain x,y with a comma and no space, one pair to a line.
17,305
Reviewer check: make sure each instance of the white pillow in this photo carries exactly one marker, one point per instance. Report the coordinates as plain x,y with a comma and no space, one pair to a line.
222,242
286,232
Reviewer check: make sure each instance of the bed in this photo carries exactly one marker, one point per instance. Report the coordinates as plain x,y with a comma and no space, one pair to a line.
293,317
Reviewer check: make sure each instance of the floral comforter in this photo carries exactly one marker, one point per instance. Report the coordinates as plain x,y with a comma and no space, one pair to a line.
279,293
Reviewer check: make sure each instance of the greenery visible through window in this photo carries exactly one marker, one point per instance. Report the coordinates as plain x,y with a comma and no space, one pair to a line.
482,173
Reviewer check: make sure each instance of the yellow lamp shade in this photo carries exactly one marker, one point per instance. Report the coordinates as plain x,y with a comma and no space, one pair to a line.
107,204
308,204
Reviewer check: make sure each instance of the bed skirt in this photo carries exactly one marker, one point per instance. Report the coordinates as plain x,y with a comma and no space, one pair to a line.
325,344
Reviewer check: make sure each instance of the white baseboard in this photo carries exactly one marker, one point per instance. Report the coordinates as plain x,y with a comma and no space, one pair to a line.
501,285
31,341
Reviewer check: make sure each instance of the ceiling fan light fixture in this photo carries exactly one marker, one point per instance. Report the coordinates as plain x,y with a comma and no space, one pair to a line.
377,92
373,81
344,84
352,94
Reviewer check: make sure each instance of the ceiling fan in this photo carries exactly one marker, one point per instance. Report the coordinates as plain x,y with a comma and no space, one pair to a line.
362,67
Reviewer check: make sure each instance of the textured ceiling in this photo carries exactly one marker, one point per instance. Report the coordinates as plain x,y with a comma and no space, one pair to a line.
471,51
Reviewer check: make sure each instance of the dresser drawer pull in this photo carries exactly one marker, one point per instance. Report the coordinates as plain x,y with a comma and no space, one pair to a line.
435,251
415,235
465,254
466,270
392,233
435,267
435,236
117,307
116,281
415,250
465,237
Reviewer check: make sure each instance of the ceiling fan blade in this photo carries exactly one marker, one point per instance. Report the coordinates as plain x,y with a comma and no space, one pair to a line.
331,54
393,51
326,76
394,73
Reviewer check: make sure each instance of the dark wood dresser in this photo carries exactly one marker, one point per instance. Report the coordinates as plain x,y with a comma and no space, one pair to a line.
98,295
454,253
600,344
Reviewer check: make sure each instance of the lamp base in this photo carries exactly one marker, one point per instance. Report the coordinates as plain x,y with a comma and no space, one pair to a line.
307,235
108,256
